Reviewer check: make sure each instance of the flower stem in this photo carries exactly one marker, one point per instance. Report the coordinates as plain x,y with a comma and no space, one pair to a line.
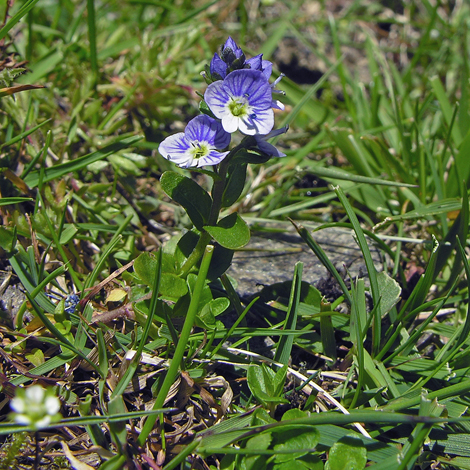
177,362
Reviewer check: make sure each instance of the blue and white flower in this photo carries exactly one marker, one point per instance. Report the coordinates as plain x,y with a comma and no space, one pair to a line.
198,145
242,101
232,58
35,407
268,148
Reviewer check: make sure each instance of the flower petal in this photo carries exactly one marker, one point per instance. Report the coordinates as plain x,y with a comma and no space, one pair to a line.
260,123
52,405
255,62
174,144
217,98
222,137
218,66
175,148
251,85
35,394
22,419
230,122
18,404
274,133
198,145
277,105
231,51
206,129
267,68
213,158
269,149
231,44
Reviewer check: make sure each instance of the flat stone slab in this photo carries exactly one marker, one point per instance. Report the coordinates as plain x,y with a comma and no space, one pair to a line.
11,298
270,257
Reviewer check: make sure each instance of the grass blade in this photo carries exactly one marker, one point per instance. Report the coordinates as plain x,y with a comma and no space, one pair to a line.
374,286
284,347
57,171
321,255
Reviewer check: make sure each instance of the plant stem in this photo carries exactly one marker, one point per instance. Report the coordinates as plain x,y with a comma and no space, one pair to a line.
217,193
36,450
178,355
196,254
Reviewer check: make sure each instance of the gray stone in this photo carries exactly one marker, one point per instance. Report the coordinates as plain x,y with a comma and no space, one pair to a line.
270,257
11,298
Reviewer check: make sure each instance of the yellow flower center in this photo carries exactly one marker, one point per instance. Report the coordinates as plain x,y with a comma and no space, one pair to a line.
238,108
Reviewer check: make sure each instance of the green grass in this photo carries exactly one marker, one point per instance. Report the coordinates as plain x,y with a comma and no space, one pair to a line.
379,145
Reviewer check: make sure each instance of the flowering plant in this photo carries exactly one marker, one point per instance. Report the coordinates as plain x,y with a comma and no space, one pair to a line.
35,407
239,98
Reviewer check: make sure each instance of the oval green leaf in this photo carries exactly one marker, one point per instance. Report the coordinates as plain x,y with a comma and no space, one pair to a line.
171,286
348,453
188,194
304,440
231,232
234,186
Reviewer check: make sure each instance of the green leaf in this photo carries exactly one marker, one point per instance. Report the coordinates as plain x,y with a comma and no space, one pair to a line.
265,384
260,380
257,443
94,431
228,462
442,206
353,150
171,285
116,405
321,255
210,310
219,305
220,262
17,17
57,171
300,438
327,332
67,233
5,201
234,186
312,462
362,242
446,108
294,413
261,417
36,357
188,194
390,292
7,239
284,347
340,174
231,232
348,453
280,380
114,463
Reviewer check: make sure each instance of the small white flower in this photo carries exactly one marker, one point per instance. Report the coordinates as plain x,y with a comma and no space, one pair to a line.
35,406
